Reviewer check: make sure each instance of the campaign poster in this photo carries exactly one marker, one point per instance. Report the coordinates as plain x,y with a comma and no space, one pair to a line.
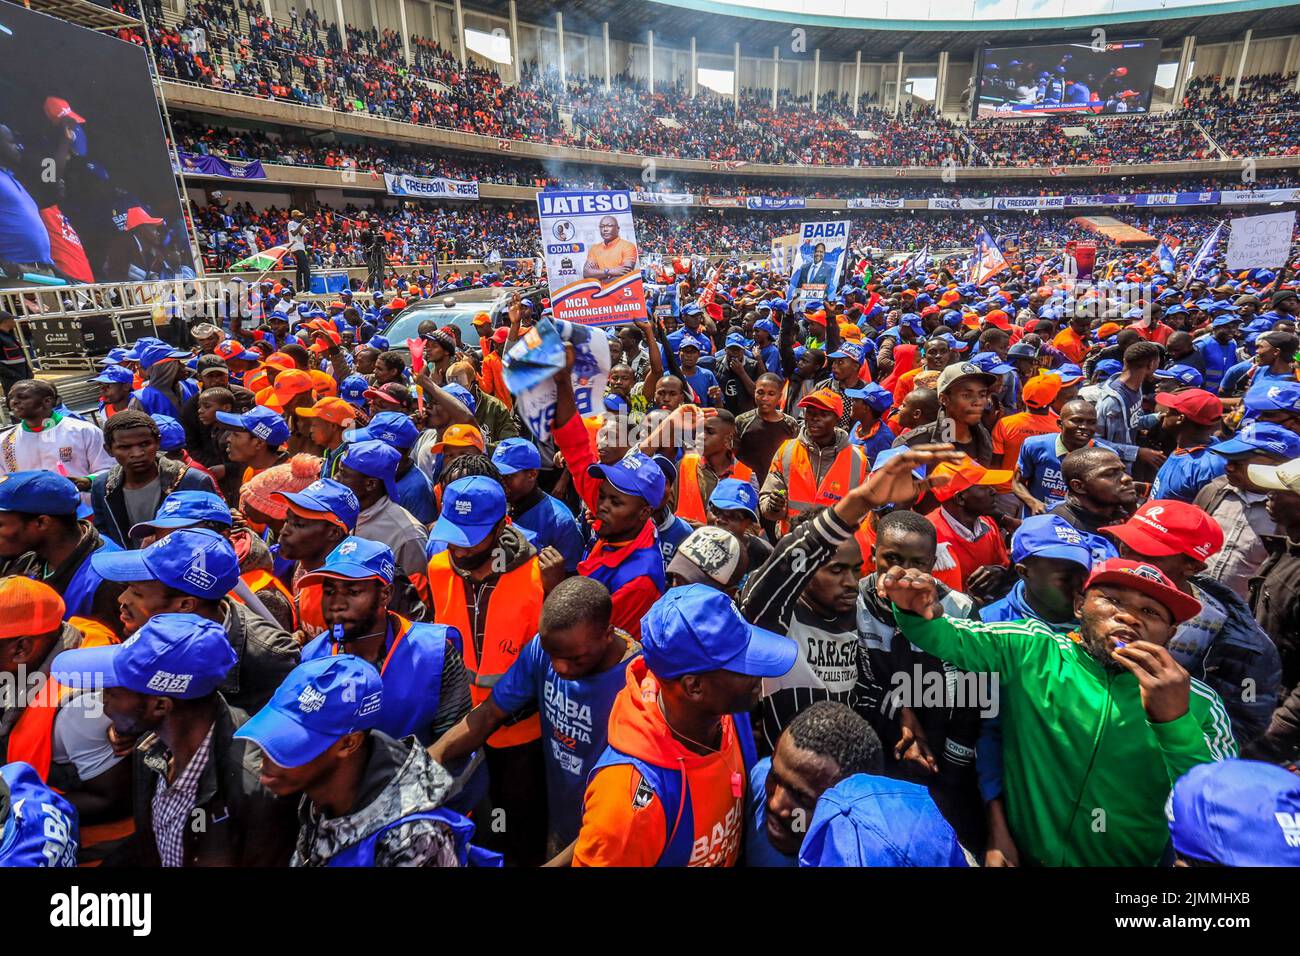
589,240
819,257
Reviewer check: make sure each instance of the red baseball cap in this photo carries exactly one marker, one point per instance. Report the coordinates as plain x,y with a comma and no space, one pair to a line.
1200,406
500,335
824,399
1164,527
1150,580
56,109
135,216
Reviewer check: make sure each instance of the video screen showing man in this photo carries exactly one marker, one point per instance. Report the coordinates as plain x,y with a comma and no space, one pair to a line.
613,257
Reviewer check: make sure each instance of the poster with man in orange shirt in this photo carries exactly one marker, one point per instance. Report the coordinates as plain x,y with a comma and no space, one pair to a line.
591,256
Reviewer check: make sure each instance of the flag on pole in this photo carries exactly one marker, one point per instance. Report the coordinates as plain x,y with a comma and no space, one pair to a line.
921,261
988,258
1167,254
1207,247
263,261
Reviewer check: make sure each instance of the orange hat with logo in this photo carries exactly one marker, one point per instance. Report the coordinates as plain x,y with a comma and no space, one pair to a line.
824,399
279,360
459,436
965,474
333,410
1041,390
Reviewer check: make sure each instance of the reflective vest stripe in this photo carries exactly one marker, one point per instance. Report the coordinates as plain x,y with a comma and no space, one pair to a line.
691,505
514,609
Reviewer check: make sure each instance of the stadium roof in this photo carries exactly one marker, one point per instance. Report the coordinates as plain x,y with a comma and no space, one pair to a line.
716,28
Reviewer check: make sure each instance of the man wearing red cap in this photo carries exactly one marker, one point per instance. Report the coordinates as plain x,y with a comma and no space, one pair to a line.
1097,728
817,467
1192,416
1222,645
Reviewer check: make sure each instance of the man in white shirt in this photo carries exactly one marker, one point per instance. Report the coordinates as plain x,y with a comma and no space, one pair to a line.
45,440
298,229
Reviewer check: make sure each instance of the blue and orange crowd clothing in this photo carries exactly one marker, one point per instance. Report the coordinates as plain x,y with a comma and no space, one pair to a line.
634,570
652,802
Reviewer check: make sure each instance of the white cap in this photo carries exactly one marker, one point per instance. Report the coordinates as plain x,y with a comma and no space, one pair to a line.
709,555
1283,477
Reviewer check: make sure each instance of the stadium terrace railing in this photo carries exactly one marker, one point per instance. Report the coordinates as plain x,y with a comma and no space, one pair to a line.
181,94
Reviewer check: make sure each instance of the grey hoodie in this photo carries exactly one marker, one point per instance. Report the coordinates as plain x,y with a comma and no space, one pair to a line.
400,779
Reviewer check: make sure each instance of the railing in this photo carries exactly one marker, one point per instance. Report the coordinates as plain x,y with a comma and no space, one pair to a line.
185,94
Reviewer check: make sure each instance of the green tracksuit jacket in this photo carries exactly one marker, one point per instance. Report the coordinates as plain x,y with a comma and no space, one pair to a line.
1086,776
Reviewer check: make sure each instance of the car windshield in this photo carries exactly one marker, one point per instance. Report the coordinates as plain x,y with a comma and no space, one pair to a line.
461,316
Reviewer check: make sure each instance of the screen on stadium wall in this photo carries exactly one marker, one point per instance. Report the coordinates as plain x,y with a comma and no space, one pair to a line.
88,189
1067,78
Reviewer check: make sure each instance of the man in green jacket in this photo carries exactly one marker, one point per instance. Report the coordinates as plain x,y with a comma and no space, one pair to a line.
1096,725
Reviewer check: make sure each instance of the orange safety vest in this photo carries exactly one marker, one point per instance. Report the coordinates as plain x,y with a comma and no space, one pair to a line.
690,503
32,739
261,580
514,609
802,492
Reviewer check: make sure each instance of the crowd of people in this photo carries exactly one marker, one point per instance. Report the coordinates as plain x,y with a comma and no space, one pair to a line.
903,576
222,44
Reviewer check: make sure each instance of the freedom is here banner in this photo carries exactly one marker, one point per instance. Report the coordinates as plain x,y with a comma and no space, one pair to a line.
589,241
428,187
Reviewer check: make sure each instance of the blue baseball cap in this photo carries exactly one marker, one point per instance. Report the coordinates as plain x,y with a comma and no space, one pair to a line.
847,350
115,375
353,390
462,393
392,428
38,493
887,453
634,474
954,343
736,341
1236,813
182,656
877,397
319,702
358,559
325,495
1051,536
866,820
1069,373
1271,397
1182,374
378,342
776,305
170,433
1225,320
185,509
695,629
515,455
374,459
690,342
768,326
139,345
154,352
471,508
1260,438
260,422
734,494
1023,350
196,561
115,356
991,363
1109,367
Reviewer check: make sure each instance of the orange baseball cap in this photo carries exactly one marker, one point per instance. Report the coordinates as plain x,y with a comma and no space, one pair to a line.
324,382
28,608
998,319
824,399
850,332
460,436
279,360
288,386
1041,390
333,410
1108,329
965,474
482,318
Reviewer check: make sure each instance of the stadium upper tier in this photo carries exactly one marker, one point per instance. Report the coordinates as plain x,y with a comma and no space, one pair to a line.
297,71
